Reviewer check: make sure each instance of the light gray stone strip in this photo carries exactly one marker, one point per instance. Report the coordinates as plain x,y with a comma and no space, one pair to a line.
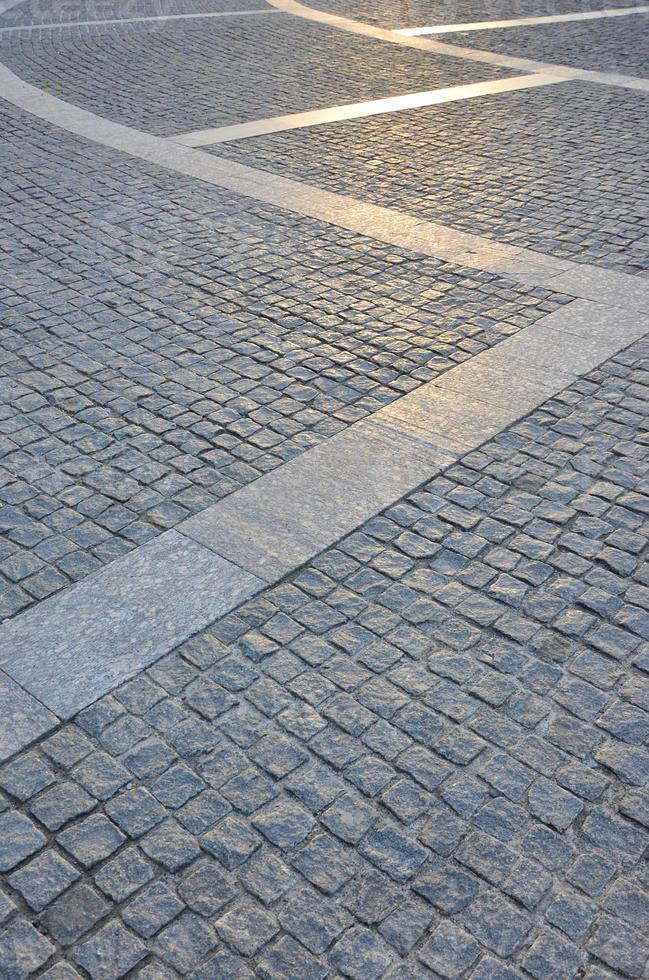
384,224
134,20
6,5
357,110
74,647
22,718
456,51
286,517
490,25
79,644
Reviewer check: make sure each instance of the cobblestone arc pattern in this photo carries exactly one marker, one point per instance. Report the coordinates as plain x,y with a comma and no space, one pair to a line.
616,45
30,12
423,755
425,13
561,170
166,343
222,71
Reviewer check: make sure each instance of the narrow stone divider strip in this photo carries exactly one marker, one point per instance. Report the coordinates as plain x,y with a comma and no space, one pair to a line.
134,20
79,644
358,110
72,648
455,50
375,221
491,25
23,718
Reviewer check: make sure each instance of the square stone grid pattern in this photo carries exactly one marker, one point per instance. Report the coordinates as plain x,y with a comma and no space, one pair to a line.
423,755
165,343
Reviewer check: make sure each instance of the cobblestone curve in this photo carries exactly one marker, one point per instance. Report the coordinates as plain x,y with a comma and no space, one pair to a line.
166,342
220,72
424,13
561,170
424,755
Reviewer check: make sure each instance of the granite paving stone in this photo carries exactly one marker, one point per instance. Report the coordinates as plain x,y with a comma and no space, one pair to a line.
226,354
504,166
118,76
424,752
492,843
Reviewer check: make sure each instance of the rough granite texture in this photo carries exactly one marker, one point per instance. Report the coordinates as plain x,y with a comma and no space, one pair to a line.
165,343
426,13
423,755
222,71
561,169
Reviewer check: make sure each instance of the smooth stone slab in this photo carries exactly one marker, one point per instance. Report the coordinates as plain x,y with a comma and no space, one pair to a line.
22,718
557,352
285,518
604,286
493,383
124,20
359,110
246,532
73,648
449,419
585,318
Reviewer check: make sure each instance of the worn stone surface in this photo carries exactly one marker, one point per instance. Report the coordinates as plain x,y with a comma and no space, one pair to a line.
212,351
428,761
505,166
243,58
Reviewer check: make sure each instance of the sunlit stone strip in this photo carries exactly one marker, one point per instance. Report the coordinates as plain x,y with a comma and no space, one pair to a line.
455,50
76,646
287,516
490,25
134,20
6,5
384,224
357,110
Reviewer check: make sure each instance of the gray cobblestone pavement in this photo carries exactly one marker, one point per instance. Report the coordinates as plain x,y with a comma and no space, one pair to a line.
425,13
165,343
424,755
225,71
611,45
62,11
536,168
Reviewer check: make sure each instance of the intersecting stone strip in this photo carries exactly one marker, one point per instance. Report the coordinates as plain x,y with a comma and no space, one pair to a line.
384,224
357,110
489,25
455,50
78,645
82,642
133,20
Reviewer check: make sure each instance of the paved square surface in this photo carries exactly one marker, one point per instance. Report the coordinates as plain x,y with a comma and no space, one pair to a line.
324,492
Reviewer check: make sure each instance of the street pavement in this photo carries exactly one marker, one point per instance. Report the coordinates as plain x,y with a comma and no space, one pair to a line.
324,492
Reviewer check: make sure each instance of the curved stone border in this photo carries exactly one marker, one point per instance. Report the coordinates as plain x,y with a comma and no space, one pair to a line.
384,224
76,646
490,25
6,5
79,644
360,110
454,50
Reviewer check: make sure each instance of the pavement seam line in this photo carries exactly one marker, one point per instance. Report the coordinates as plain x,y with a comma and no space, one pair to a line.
360,110
382,223
456,51
490,25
